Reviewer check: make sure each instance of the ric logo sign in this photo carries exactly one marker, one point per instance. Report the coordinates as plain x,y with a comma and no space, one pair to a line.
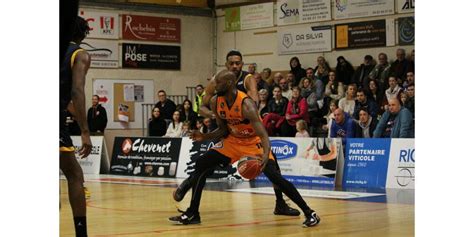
132,55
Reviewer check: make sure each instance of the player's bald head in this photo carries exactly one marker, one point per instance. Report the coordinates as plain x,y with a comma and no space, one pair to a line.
225,80
225,75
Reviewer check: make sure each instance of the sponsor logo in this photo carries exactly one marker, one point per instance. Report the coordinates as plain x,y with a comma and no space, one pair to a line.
284,149
341,5
407,30
107,25
99,53
409,4
132,55
126,146
406,167
287,40
141,146
288,12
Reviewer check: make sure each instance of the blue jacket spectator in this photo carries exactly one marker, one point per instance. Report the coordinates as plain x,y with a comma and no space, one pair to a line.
397,122
343,125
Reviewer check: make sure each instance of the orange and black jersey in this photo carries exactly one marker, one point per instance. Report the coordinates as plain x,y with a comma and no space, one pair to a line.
236,123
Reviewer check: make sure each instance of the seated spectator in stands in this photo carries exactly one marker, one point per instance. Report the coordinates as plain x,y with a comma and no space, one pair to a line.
156,125
363,101
272,82
393,90
301,129
262,104
396,122
297,109
330,116
361,75
266,76
317,83
285,89
252,68
347,104
297,71
175,128
344,71
399,67
96,116
410,102
290,77
206,125
410,80
317,108
381,72
403,98
200,125
321,75
185,129
261,84
310,74
187,114
364,128
276,111
306,86
200,93
324,69
411,62
343,125
376,93
167,107
334,89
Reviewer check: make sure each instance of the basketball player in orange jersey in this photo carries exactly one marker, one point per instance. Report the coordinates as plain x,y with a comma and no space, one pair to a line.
242,133
245,83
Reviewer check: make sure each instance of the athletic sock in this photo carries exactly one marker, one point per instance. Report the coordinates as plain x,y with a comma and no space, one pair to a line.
80,224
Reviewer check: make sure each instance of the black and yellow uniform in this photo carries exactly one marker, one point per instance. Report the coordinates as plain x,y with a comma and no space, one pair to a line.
240,84
65,88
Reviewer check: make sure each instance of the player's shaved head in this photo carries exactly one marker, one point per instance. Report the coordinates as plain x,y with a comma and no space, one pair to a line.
225,80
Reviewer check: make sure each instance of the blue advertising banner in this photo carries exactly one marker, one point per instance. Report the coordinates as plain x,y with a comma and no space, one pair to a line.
366,163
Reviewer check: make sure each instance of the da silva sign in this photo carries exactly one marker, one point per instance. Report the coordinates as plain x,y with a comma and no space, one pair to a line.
304,40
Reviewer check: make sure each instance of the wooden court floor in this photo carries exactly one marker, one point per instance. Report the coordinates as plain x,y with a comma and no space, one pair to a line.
141,208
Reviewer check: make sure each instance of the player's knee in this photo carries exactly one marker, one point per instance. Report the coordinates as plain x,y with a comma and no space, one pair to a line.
75,176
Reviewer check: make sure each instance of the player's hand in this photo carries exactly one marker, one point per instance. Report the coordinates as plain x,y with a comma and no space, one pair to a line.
86,145
306,155
264,161
195,135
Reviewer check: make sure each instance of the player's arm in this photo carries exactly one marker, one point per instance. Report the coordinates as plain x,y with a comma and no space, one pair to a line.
209,92
331,155
251,86
221,130
79,71
249,110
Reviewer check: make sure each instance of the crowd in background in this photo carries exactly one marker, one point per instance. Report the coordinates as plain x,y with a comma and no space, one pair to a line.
376,99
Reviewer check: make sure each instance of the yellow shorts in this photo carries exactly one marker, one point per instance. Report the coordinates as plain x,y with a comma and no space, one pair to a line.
236,148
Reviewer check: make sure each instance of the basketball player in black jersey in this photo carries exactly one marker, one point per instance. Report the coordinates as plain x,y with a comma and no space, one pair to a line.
245,83
72,98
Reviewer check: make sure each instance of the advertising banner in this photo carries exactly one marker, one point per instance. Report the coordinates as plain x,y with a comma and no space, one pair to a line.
361,35
302,11
405,6
366,163
304,40
91,164
401,168
307,160
102,25
145,156
406,30
150,28
344,9
104,53
151,56
249,17
232,19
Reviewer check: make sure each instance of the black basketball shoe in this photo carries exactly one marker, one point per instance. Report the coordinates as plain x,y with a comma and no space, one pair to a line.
182,189
282,208
187,218
311,220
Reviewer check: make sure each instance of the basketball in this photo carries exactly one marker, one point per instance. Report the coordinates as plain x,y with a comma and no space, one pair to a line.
249,167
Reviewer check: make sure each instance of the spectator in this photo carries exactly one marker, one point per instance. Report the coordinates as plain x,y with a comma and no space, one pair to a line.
187,114
156,125
361,75
381,72
290,77
334,89
206,125
411,62
364,128
167,107
317,83
296,70
347,104
185,129
200,93
396,122
393,90
363,101
285,90
410,103
306,86
262,104
403,98
252,68
261,84
276,111
200,125
266,76
275,82
317,108
96,116
301,128
323,67
297,109
175,128
321,74
310,74
343,125
410,79
376,93
399,67
344,70
330,116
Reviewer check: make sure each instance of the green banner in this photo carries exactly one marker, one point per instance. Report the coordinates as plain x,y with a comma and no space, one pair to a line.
232,19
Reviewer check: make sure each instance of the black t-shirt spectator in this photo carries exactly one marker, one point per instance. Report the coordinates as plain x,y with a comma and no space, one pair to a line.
166,109
97,119
278,108
157,127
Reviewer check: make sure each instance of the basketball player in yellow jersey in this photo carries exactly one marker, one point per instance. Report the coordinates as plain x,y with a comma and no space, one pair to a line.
242,133
247,84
